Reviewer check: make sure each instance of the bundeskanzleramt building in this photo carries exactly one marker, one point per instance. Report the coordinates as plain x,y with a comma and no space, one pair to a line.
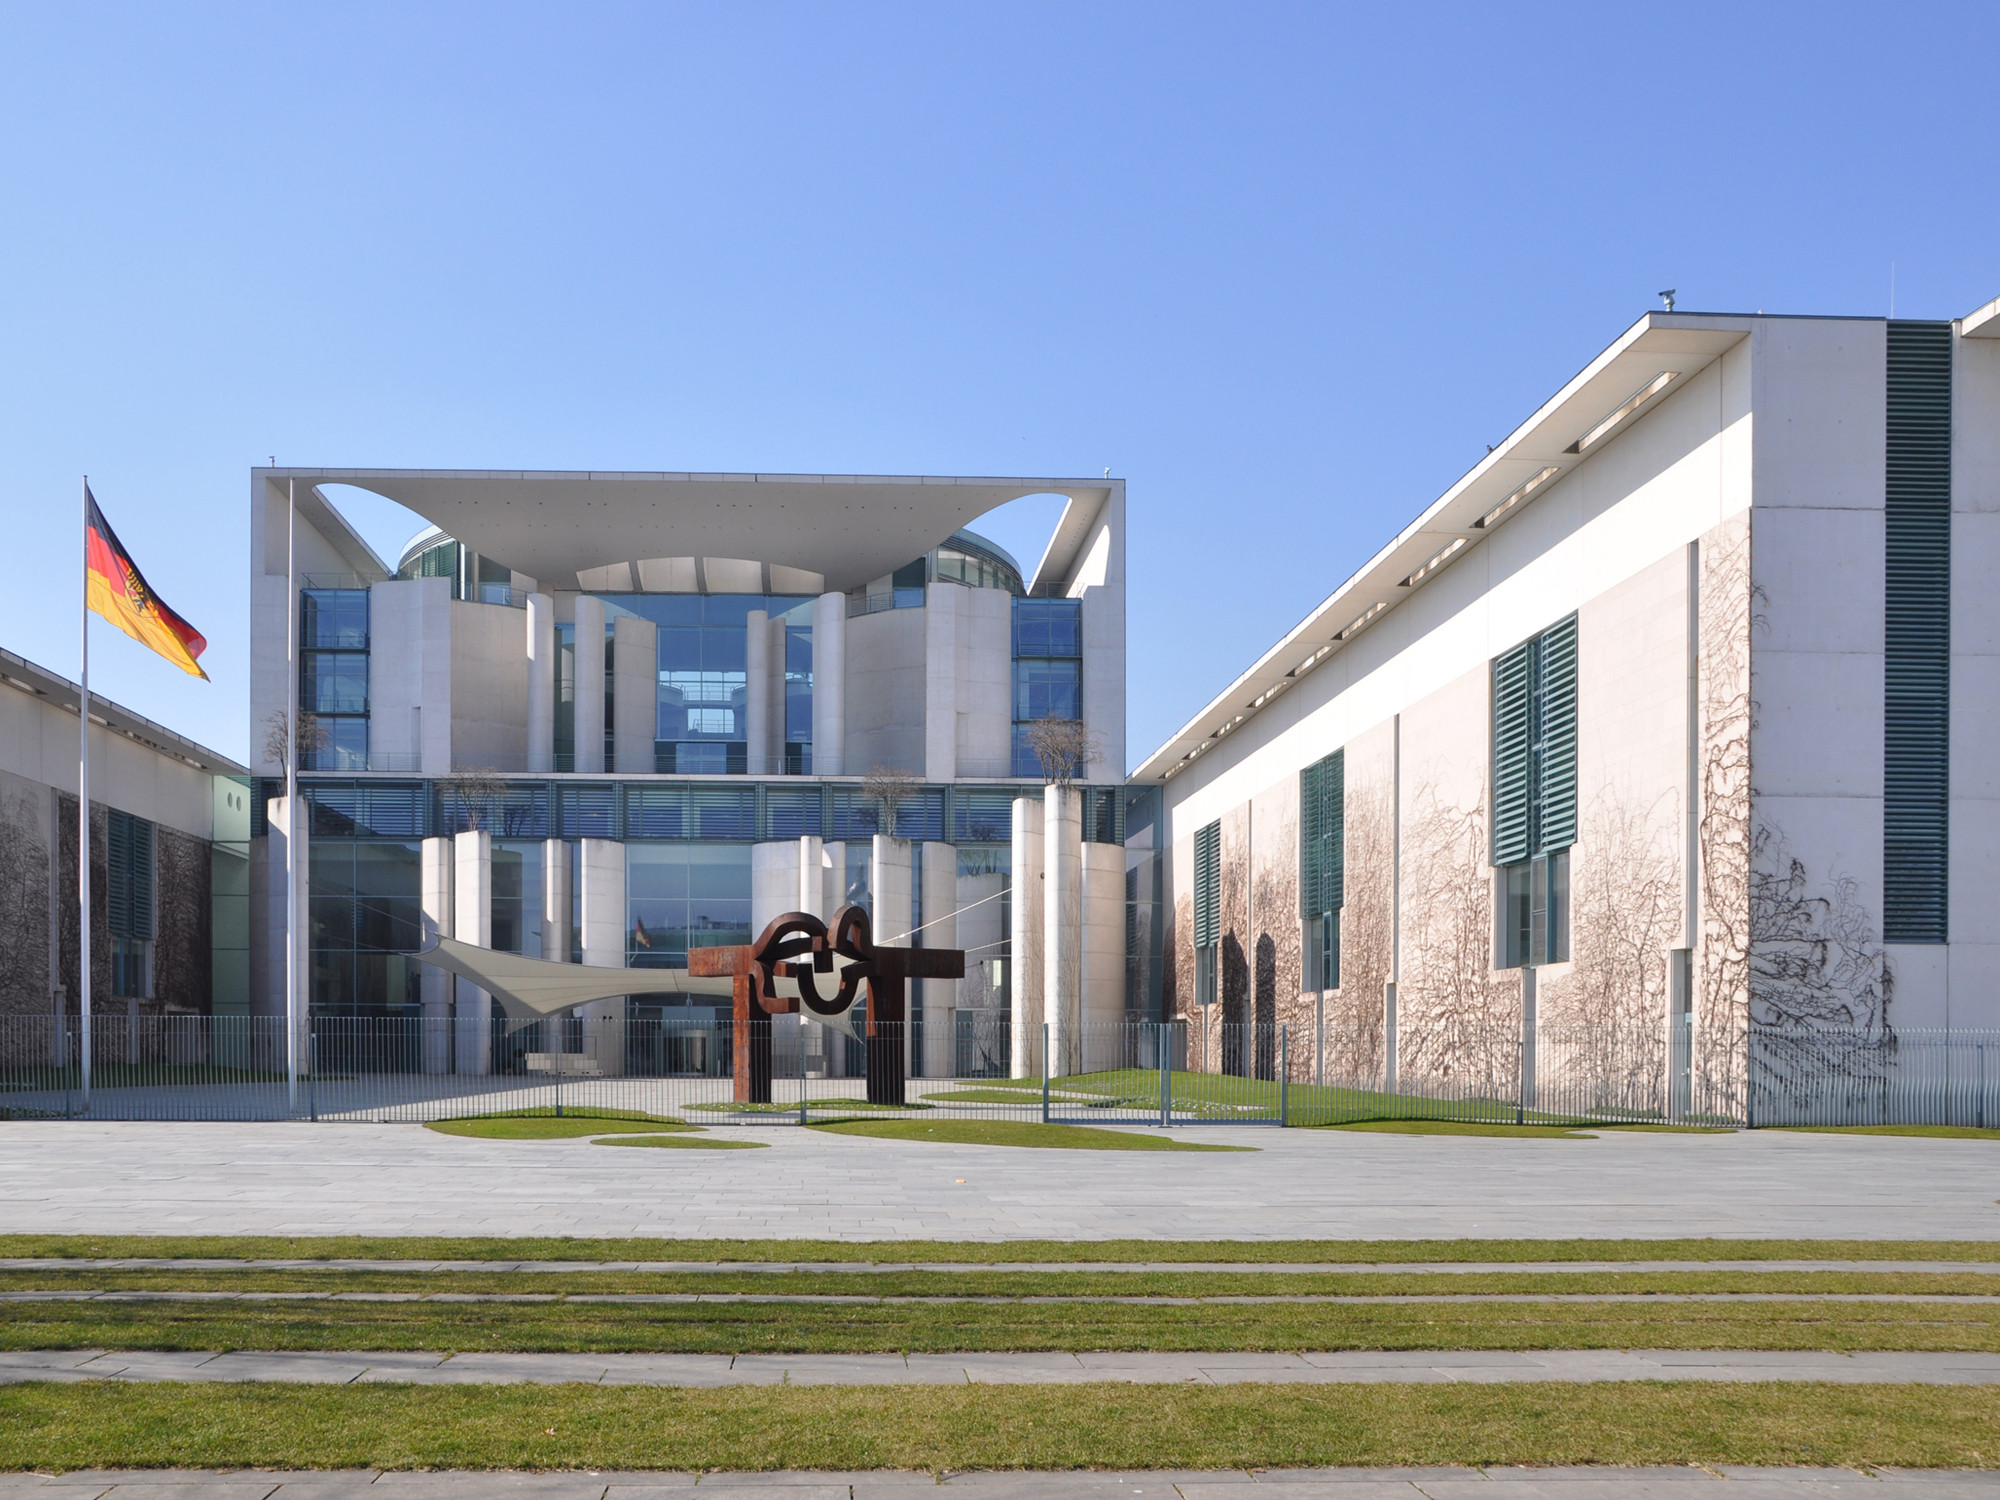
1675,717
607,718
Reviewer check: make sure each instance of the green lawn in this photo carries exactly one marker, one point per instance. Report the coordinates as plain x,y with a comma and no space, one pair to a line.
56,1427
1196,1096
1015,1133
780,1107
866,1327
691,1142
547,1127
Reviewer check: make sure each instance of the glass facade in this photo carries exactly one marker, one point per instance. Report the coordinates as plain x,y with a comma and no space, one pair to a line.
682,896
365,914
702,707
333,676
1048,670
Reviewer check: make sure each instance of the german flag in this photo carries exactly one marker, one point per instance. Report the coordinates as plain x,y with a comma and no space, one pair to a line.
119,592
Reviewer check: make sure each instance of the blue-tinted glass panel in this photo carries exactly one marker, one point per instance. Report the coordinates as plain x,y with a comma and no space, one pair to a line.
792,812
345,747
346,811
1048,627
333,619
517,897
1048,690
334,682
982,817
590,812
682,896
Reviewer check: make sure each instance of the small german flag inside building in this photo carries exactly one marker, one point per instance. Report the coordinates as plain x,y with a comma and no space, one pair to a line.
119,592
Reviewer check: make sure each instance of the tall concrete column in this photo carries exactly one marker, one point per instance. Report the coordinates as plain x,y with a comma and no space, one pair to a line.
287,924
757,692
943,602
1062,923
1024,949
1101,992
889,910
555,925
939,905
635,669
774,749
472,922
830,685
434,984
601,872
812,878
541,683
555,901
589,687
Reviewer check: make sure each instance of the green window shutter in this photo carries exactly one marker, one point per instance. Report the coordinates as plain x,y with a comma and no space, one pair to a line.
1208,886
1512,752
1917,636
1555,775
1333,839
1320,836
128,860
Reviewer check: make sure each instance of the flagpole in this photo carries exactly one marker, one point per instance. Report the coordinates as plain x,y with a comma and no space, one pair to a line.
83,815
292,819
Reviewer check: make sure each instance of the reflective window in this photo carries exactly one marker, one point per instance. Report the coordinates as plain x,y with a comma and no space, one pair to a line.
1048,690
682,896
517,896
334,619
334,682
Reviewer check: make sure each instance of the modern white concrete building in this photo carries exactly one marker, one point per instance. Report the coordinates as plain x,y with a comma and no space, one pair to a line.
605,718
1672,718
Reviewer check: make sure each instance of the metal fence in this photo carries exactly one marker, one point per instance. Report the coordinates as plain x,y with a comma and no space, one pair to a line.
1176,1073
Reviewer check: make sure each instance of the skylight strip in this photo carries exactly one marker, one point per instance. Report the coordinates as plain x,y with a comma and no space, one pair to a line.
1631,404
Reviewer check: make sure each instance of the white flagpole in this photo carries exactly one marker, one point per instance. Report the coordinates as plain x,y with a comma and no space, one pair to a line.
83,816
291,799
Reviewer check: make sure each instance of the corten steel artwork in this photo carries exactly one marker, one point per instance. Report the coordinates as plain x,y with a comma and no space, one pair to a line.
797,962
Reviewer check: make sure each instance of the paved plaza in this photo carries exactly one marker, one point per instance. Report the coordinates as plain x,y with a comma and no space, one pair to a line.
1666,1483
1346,1367
296,1178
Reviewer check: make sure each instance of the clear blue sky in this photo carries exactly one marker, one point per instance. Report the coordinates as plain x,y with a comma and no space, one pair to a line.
1287,269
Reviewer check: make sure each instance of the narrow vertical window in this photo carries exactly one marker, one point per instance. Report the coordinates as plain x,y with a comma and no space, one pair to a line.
1207,910
1534,795
1322,866
1917,635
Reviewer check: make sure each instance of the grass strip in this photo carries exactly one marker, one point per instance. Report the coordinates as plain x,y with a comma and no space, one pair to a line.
1247,1252
548,1127
691,1142
1040,1284
840,1328
111,1425
1015,1133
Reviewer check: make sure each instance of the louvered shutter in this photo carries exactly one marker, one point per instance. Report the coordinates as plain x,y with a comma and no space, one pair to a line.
1321,828
1555,772
1512,751
1208,886
118,863
1917,668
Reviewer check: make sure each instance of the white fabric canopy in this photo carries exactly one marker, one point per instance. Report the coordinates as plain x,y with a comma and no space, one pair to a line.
530,989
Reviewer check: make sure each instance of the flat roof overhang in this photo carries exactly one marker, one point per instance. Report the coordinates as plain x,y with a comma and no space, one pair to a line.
848,529
1680,344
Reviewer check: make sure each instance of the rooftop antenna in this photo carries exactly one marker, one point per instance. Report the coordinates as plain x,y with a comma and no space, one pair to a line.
1668,297
1107,471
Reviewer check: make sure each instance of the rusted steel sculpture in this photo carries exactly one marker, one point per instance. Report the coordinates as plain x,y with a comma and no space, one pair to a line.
798,963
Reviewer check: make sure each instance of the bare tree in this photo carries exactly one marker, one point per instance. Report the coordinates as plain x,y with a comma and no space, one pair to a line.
312,737
477,792
889,789
1065,747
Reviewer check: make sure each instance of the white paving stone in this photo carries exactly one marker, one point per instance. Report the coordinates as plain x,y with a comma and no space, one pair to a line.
108,1178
